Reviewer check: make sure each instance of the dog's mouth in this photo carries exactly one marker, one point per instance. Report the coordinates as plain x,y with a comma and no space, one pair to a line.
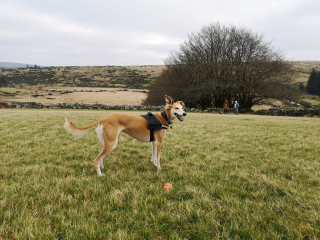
179,117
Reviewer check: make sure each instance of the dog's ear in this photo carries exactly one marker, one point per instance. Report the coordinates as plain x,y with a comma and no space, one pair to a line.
182,104
169,100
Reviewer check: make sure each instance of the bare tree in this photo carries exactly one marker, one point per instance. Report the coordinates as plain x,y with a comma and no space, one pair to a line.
224,62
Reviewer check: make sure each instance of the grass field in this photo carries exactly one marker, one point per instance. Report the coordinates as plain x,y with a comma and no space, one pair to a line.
233,177
313,99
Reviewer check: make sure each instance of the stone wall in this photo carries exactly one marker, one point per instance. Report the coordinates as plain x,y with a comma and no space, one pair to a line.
270,112
89,106
82,106
290,112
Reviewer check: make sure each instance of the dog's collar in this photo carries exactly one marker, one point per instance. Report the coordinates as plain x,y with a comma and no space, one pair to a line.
164,115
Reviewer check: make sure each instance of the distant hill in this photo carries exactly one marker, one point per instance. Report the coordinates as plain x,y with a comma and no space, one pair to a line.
135,77
14,65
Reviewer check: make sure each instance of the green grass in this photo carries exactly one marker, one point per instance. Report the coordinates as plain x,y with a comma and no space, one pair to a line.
313,99
233,177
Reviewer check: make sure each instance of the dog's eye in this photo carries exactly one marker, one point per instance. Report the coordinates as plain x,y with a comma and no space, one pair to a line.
177,108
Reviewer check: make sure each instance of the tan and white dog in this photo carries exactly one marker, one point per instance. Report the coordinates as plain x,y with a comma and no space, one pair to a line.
110,126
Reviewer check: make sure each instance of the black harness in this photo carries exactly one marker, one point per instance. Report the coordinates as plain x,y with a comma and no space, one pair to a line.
154,124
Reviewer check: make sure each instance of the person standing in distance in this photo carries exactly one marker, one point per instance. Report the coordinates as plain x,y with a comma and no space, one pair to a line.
225,106
236,107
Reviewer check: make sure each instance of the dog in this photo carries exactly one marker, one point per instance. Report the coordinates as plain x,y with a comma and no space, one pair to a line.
110,126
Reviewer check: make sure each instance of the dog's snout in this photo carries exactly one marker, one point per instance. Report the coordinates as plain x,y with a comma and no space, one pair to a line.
184,114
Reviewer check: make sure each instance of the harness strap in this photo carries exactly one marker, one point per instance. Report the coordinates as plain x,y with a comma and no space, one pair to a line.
164,126
164,115
153,124
151,135
152,132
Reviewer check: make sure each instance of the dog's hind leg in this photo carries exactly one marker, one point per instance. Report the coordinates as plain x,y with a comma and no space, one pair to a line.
99,132
99,160
109,140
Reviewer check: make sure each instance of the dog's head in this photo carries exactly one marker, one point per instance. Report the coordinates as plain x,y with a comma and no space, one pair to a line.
177,109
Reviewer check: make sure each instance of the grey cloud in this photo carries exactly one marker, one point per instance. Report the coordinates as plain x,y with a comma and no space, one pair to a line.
142,32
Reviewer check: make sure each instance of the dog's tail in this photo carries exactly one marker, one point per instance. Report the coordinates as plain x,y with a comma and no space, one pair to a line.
78,131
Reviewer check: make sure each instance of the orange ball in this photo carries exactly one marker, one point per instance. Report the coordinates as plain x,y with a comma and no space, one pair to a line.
167,186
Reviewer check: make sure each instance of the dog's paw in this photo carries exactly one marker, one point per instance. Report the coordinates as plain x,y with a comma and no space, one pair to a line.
154,162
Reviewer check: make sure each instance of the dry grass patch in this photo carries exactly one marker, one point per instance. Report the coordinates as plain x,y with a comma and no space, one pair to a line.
304,68
154,70
110,96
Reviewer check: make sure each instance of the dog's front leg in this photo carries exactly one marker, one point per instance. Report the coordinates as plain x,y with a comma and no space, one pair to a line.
101,164
154,154
158,146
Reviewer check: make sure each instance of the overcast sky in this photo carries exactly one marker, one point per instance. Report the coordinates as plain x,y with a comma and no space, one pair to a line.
143,32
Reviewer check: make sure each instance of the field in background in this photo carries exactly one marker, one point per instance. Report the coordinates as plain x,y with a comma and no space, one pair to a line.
233,177
133,77
312,99
304,69
52,95
95,84
111,96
